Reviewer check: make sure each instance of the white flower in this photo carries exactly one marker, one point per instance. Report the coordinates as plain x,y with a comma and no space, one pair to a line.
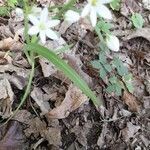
19,12
42,26
96,7
112,43
35,11
72,16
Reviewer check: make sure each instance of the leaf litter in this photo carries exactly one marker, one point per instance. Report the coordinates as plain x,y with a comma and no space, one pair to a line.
57,115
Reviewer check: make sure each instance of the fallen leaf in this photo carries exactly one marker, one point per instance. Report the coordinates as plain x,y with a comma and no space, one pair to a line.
101,139
10,44
36,127
129,131
131,101
11,68
6,98
53,136
129,6
41,99
143,32
14,79
6,44
74,99
47,67
12,137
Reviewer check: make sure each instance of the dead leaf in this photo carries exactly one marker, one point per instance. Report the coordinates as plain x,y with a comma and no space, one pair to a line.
131,101
6,98
129,6
53,136
101,139
143,32
11,68
74,99
14,79
129,131
6,44
11,137
47,67
41,99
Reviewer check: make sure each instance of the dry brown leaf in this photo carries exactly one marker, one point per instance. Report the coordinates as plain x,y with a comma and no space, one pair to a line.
6,98
143,32
6,44
73,100
12,137
41,99
53,136
131,101
129,6
47,67
10,44
129,131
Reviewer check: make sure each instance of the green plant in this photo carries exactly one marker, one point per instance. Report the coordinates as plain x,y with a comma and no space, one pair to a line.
115,4
10,4
63,66
137,20
111,70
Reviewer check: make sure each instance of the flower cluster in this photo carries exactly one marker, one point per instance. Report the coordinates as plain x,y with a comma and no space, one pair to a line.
93,9
42,24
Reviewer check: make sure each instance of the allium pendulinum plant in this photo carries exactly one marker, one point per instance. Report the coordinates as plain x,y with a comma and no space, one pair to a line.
42,28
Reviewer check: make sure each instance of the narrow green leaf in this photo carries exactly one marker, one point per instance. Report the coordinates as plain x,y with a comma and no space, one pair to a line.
63,66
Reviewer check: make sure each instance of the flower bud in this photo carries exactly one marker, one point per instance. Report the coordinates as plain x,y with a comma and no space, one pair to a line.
112,43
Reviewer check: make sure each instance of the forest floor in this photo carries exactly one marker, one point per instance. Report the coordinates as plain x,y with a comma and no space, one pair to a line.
73,122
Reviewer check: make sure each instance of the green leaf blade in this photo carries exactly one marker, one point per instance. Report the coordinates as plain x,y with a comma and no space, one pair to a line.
67,70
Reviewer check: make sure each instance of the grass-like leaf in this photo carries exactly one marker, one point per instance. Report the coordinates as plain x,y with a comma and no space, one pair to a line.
67,70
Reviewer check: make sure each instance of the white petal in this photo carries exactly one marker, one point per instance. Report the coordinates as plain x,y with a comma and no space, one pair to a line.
43,37
33,19
33,30
105,1
19,12
53,23
72,16
112,43
44,15
52,35
86,10
104,12
35,11
93,16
